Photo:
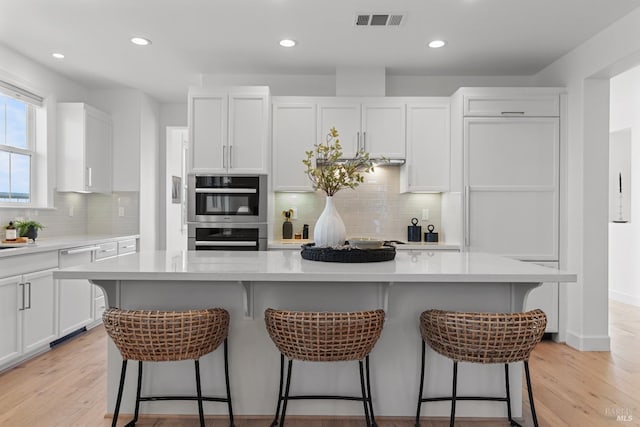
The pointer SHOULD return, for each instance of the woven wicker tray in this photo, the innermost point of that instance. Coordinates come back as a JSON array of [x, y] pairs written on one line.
[[311, 252]]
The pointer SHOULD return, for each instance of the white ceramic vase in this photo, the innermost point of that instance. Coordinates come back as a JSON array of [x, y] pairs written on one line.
[[329, 229]]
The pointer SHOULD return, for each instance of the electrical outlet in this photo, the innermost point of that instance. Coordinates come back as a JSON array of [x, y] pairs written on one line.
[[425, 214], [295, 213], [70, 210], [120, 211]]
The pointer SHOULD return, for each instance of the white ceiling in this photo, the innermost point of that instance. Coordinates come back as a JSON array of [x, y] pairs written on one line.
[[193, 37]]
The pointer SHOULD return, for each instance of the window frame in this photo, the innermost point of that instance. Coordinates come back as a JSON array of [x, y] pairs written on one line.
[[30, 150]]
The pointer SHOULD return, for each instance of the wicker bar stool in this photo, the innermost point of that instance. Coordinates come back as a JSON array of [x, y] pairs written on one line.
[[324, 337], [481, 338], [162, 336]]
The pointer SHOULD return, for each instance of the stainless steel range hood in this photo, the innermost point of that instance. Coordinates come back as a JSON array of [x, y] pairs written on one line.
[[377, 162]]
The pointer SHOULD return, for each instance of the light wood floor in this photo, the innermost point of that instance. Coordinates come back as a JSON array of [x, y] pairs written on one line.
[[66, 387]]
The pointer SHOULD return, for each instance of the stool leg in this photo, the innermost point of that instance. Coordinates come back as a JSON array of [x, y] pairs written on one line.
[[199, 391], [286, 394], [530, 391], [275, 419], [123, 373], [364, 394], [373, 419], [453, 394], [138, 390], [420, 391], [506, 386], [226, 377]]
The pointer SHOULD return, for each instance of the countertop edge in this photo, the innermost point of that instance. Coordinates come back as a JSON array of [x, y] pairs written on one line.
[[57, 243]]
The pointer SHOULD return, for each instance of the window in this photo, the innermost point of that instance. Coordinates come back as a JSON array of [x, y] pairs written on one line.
[[17, 150]]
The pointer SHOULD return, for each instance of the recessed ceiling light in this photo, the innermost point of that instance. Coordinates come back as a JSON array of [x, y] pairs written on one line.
[[287, 43], [435, 44], [57, 55], [140, 41]]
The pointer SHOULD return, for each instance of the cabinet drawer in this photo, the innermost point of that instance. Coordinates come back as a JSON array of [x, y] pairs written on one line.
[[516, 106], [27, 263], [106, 250], [127, 246]]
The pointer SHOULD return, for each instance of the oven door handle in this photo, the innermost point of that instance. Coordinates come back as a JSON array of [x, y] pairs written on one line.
[[227, 190], [225, 243]]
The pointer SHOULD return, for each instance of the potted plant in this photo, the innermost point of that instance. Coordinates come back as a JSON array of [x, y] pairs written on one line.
[[330, 173], [29, 228]]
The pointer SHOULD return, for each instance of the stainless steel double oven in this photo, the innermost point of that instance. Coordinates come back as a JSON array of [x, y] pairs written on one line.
[[227, 212]]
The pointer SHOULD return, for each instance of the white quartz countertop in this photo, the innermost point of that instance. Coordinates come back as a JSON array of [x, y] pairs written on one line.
[[56, 243], [287, 265], [296, 243]]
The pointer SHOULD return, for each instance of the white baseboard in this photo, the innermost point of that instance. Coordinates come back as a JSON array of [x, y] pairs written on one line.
[[624, 298], [589, 343]]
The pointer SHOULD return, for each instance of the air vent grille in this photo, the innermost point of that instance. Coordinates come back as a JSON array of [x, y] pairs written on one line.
[[379, 19]]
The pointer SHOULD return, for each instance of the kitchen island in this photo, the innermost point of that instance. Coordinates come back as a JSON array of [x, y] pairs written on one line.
[[245, 283]]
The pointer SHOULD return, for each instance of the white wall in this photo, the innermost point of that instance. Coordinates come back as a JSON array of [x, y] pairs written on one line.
[[585, 71], [624, 270], [175, 229], [150, 188]]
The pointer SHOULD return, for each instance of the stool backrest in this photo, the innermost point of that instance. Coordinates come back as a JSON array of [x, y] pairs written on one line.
[[166, 335], [324, 336], [483, 337]]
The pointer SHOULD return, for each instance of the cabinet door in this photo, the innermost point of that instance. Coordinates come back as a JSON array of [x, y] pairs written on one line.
[[428, 147], [39, 322], [208, 132], [98, 152], [76, 303], [345, 117], [383, 130], [294, 132], [510, 106], [512, 178], [248, 134], [10, 319]]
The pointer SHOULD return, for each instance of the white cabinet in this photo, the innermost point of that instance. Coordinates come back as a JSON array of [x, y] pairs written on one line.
[[228, 130], [428, 146], [375, 126], [512, 186], [76, 296], [40, 313], [84, 138], [10, 319], [104, 251], [511, 171], [294, 133], [27, 306]]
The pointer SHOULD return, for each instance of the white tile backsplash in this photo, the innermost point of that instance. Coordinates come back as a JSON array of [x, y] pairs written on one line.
[[76, 213], [374, 209]]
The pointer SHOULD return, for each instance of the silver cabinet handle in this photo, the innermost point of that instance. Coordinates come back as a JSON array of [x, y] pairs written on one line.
[[357, 141], [520, 113], [79, 251], [230, 156], [22, 307], [29, 294], [224, 156], [129, 247], [364, 141], [89, 171], [104, 251], [467, 231]]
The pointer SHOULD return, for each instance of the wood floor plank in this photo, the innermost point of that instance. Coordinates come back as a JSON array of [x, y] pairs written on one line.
[[66, 387]]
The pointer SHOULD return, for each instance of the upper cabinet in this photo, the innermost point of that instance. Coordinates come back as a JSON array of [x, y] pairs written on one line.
[[84, 138], [294, 133], [428, 146], [228, 130], [376, 126], [516, 105]]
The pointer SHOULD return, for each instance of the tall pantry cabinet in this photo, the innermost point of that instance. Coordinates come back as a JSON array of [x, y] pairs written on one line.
[[509, 141]]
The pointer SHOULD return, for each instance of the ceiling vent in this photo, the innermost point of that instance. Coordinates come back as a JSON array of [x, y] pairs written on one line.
[[379, 19]]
